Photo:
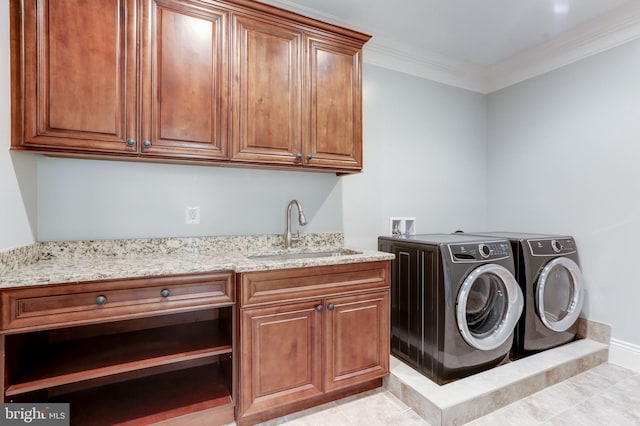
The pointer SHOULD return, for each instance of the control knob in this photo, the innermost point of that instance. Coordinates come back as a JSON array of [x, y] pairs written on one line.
[[556, 246], [485, 251]]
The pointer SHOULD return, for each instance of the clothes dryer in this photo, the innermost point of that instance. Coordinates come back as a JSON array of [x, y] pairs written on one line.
[[548, 271], [454, 303]]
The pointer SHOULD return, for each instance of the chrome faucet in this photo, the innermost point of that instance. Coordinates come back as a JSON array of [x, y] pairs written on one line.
[[288, 238]]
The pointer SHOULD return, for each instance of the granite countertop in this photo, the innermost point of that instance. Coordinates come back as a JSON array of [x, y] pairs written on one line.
[[75, 261]]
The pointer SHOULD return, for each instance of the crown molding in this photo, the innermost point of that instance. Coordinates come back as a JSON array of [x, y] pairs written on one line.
[[609, 30], [617, 27]]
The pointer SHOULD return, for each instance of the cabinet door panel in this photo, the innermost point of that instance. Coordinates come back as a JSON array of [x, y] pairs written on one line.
[[335, 109], [79, 90], [185, 81], [280, 359], [267, 96], [356, 339]]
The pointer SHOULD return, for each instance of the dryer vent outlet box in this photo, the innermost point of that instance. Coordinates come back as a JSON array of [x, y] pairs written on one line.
[[402, 225]]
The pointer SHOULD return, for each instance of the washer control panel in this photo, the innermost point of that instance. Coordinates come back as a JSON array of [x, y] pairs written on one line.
[[552, 246], [480, 252]]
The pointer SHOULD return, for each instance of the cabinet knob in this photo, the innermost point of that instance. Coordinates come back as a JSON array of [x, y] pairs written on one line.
[[101, 300], [309, 157], [319, 308], [299, 156], [131, 142], [165, 292], [146, 144], [331, 307]]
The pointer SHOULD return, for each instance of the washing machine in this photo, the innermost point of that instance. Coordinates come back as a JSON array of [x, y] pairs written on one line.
[[547, 268], [454, 303]]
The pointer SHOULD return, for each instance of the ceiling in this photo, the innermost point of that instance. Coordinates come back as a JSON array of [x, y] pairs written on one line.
[[476, 44]]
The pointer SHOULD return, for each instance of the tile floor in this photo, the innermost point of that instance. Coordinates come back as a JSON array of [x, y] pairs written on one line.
[[605, 395]]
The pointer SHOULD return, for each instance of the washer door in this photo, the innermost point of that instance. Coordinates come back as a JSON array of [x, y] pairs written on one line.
[[559, 294], [488, 307]]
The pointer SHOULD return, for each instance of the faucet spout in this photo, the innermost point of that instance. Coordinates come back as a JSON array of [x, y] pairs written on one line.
[[302, 221]]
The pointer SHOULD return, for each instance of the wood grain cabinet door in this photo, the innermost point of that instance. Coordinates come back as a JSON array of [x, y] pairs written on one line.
[[356, 339], [79, 75], [266, 91], [185, 80], [280, 360], [335, 110]]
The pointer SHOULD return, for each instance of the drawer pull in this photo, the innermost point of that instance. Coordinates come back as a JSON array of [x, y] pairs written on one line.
[[331, 307], [101, 300], [165, 293], [319, 308]]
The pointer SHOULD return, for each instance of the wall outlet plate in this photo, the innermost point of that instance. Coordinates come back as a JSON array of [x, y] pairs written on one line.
[[192, 215]]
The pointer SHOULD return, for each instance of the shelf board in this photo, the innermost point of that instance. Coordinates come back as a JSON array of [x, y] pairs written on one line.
[[97, 357], [153, 399]]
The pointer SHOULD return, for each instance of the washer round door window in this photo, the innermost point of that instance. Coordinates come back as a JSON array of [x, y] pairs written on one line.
[[559, 294], [488, 307]]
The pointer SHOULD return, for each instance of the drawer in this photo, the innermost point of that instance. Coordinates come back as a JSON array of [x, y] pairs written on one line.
[[273, 286], [74, 304]]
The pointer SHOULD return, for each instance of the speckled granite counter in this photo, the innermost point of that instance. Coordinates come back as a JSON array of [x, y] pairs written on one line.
[[75, 261]]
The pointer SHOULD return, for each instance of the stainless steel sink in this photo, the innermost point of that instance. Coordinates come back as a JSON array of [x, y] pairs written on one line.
[[305, 255]]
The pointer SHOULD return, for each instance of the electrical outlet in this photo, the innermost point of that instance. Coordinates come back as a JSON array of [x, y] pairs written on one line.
[[192, 215]]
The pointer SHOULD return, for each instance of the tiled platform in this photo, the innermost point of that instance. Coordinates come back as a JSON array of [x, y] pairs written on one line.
[[470, 398]]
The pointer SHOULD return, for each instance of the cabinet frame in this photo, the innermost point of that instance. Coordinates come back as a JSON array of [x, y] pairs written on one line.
[[138, 105], [56, 320], [334, 296]]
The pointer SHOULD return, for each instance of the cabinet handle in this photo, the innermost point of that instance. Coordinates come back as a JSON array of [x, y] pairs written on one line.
[[131, 142], [299, 156], [319, 308], [146, 144], [165, 292], [331, 307], [309, 157], [101, 300]]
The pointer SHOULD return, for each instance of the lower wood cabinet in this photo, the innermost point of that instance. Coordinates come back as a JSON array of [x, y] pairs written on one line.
[[145, 351], [326, 336]]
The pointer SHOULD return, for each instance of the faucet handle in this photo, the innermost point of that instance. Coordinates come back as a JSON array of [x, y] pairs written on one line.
[[296, 236]]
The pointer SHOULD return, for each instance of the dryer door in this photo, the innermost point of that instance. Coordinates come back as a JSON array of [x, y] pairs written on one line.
[[559, 294], [488, 306]]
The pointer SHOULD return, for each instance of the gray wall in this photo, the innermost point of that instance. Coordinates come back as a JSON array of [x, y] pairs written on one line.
[[564, 157], [90, 199], [17, 171], [424, 157]]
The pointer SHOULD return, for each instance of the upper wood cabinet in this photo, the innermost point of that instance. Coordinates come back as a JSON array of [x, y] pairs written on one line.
[[267, 91], [74, 75], [296, 95], [335, 103], [184, 80], [232, 81]]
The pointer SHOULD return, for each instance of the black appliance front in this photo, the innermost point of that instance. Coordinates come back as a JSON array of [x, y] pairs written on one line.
[[451, 318]]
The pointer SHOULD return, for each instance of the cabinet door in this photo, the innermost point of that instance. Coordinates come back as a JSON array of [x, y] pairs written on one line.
[[185, 80], [356, 339], [79, 75], [335, 110], [280, 359], [266, 91]]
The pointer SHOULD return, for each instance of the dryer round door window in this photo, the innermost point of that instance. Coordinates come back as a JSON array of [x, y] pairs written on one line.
[[559, 294], [488, 306]]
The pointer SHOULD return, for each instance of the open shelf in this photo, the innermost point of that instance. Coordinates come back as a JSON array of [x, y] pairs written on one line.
[[43, 365], [153, 399]]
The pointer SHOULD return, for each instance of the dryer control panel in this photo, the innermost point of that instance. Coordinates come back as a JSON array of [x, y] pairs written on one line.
[[552, 246], [479, 252]]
